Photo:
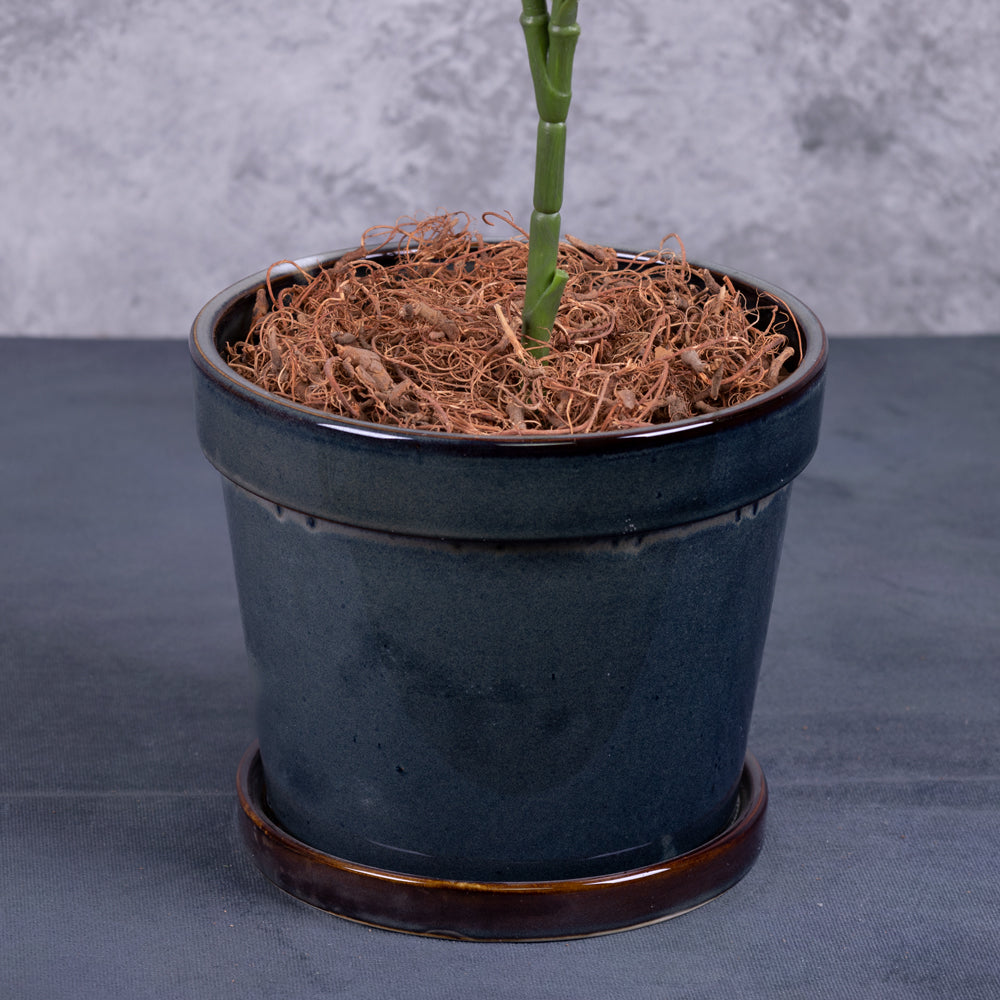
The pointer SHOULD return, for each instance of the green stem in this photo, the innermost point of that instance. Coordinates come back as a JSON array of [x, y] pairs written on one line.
[[551, 40]]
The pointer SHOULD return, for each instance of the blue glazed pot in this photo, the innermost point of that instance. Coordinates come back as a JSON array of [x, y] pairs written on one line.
[[503, 659]]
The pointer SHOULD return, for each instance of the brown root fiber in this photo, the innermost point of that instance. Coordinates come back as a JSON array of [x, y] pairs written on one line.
[[432, 341]]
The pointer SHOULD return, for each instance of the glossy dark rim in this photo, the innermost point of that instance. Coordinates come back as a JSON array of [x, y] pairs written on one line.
[[502, 911], [205, 352]]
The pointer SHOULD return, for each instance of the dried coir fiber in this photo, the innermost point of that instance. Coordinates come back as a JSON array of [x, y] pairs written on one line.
[[432, 341]]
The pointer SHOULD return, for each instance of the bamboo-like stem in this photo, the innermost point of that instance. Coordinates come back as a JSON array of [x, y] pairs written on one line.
[[551, 40]]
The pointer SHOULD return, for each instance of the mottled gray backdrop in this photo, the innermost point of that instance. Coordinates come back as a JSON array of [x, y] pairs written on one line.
[[152, 152]]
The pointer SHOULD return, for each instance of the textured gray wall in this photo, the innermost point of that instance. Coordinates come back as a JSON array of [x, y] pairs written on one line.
[[152, 152]]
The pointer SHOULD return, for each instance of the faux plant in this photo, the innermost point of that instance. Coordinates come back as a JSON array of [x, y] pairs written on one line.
[[526, 790], [551, 40], [426, 325]]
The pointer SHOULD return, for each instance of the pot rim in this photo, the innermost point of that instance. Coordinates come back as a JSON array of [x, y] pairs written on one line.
[[208, 358]]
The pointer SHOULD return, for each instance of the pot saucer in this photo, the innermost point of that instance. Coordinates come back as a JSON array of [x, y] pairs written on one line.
[[502, 911]]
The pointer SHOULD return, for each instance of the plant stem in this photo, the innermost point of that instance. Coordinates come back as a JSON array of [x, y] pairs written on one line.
[[551, 40]]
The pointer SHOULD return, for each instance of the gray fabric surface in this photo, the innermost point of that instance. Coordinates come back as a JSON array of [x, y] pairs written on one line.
[[125, 706]]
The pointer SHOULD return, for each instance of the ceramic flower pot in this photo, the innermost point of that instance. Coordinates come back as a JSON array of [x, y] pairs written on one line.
[[504, 684]]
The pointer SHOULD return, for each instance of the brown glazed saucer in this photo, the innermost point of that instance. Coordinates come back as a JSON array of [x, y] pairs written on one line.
[[502, 911]]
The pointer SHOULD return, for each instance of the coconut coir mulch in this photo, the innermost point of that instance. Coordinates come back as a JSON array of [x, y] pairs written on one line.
[[433, 342]]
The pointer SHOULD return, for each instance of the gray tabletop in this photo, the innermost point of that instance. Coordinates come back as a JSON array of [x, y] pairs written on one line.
[[126, 704]]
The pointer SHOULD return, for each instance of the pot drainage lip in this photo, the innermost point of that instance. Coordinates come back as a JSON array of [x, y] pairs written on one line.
[[502, 911]]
